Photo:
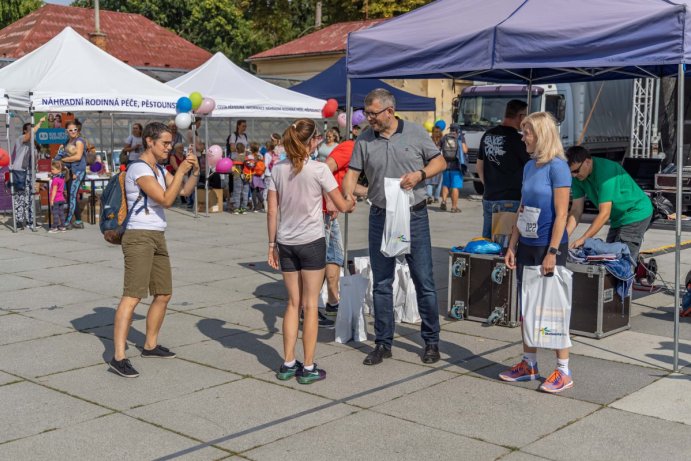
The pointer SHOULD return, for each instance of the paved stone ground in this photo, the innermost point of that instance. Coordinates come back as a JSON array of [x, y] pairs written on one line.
[[220, 400]]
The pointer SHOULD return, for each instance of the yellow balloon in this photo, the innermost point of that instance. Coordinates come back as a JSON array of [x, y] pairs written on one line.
[[429, 125]]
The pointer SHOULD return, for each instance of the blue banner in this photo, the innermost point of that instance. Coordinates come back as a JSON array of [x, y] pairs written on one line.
[[51, 136]]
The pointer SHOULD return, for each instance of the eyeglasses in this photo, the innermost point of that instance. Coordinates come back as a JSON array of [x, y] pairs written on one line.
[[577, 171], [374, 114]]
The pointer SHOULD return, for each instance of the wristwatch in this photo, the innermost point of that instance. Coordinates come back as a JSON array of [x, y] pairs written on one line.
[[554, 251], [424, 175]]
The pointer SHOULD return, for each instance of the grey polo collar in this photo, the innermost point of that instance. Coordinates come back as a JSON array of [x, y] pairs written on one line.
[[399, 128]]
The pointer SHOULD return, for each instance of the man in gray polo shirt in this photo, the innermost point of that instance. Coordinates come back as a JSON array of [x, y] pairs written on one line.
[[392, 148]]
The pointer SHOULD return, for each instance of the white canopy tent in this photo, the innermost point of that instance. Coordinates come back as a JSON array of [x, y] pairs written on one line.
[[240, 94], [69, 73]]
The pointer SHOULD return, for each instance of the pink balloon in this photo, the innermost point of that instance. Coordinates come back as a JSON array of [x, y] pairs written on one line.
[[342, 119], [358, 117], [213, 155], [207, 106], [224, 165]]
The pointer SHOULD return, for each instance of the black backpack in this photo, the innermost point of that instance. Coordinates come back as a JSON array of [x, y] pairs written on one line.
[[449, 147]]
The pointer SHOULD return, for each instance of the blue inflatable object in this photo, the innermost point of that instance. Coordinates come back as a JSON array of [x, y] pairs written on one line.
[[441, 124], [484, 247], [184, 104]]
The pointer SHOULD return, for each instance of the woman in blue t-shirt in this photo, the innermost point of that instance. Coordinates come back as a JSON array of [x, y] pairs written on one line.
[[541, 223]]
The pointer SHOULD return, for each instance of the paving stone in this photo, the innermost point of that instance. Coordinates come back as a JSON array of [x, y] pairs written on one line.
[[80, 316], [29, 409], [468, 406], [54, 354], [158, 380], [394, 439], [635, 348], [200, 295], [595, 380], [521, 456], [113, 437], [33, 262], [367, 385], [665, 399], [15, 328], [179, 329], [5, 379], [469, 327], [660, 322], [30, 299], [612, 435], [459, 353], [240, 351], [20, 281], [243, 414]]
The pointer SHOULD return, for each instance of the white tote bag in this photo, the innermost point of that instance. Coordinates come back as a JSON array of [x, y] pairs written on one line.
[[396, 237], [405, 308], [363, 268], [350, 320], [546, 307]]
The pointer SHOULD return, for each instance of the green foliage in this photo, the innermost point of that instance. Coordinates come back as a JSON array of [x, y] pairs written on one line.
[[241, 28], [12, 10]]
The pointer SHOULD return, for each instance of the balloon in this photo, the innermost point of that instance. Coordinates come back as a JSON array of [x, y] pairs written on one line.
[[183, 120], [224, 165], [213, 155], [96, 167], [429, 125], [207, 106], [196, 98], [262, 150], [358, 117], [183, 105], [123, 167], [342, 119], [441, 124], [330, 108], [4, 158]]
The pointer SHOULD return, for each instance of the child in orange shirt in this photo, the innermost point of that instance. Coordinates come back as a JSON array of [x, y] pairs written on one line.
[[257, 181]]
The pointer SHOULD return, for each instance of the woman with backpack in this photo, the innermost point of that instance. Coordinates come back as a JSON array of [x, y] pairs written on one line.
[[149, 189]]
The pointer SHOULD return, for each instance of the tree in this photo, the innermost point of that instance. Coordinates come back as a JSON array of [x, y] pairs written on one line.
[[13, 10]]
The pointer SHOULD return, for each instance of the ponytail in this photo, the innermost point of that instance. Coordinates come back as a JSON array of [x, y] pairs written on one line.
[[296, 141]]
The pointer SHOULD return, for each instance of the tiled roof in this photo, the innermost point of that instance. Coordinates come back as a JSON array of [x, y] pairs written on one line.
[[132, 38], [331, 39]]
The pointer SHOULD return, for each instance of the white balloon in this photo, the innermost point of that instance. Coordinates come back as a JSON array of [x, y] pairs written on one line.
[[183, 120]]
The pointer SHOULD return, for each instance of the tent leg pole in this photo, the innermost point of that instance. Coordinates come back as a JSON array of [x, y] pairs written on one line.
[[677, 250], [194, 149], [206, 168], [349, 135], [32, 172], [112, 141]]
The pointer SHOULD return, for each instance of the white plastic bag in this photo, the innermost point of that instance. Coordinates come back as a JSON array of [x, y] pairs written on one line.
[[546, 307], [405, 307], [362, 267], [350, 320], [396, 237]]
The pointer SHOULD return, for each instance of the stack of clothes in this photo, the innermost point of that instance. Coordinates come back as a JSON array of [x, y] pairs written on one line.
[[616, 258]]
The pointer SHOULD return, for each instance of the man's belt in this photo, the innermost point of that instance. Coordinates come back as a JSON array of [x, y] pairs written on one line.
[[416, 207]]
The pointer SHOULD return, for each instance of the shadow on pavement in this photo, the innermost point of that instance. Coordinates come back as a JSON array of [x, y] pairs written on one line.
[[101, 317]]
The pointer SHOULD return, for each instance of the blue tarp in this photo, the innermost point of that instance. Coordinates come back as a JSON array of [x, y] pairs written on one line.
[[521, 40], [331, 83]]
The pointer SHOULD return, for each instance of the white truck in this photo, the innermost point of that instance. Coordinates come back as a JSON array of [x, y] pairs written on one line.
[[595, 114]]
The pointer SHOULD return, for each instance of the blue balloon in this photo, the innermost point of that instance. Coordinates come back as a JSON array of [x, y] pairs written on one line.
[[441, 124], [184, 104]]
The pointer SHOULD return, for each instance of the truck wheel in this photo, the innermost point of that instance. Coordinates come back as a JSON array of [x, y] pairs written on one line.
[[479, 187]]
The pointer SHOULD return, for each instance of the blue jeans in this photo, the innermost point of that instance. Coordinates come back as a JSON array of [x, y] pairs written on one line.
[[434, 190], [334, 245], [73, 186], [420, 264], [241, 192], [495, 206]]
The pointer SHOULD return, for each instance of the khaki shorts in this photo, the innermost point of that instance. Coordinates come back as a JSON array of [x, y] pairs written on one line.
[[147, 265]]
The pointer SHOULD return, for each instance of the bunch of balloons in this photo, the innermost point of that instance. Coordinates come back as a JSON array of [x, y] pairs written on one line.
[[330, 108], [194, 103], [430, 125]]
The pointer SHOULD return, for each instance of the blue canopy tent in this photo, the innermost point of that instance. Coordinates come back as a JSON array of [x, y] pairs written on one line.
[[535, 41], [331, 83]]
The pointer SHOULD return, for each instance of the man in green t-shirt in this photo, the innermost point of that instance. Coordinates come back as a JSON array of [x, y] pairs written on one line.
[[618, 198]]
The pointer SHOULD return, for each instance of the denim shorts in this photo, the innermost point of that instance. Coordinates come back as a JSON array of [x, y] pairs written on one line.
[[334, 245]]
